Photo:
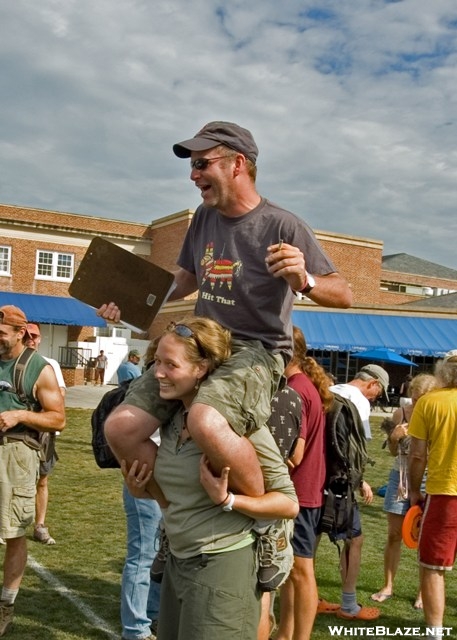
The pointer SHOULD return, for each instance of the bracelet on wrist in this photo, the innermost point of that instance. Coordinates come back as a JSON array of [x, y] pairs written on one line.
[[230, 503], [224, 500]]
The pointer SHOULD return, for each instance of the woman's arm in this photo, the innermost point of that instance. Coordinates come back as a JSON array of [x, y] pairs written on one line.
[[297, 454], [271, 505], [400, 431]]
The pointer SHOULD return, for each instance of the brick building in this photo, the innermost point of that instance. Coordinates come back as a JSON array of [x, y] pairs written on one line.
[[41, 250]]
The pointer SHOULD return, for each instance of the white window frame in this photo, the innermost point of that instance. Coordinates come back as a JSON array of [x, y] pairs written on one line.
[[7, 250], [54, 265]]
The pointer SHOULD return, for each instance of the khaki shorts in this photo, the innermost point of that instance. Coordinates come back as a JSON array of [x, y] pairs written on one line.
[[210, 597], [18, 477], [240, 389]]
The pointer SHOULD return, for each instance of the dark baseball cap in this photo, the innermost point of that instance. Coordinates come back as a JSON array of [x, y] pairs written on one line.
[[214, 133]]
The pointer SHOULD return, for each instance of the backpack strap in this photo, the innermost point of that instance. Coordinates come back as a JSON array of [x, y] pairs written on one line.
[[19, 373]]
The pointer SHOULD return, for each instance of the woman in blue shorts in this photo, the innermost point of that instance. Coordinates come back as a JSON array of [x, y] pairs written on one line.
[[396, 502]]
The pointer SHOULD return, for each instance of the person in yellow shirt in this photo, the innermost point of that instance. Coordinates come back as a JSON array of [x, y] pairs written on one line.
[[433, 431]]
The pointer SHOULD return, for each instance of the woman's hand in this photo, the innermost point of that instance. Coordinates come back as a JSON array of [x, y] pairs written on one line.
[[215, 487], [400, 431], [136, 479]]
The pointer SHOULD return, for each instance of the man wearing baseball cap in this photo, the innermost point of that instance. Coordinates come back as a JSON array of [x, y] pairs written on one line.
[[247, 258], [368, 384], [129, 370], [433, 431], [48, 440], [21, 420]]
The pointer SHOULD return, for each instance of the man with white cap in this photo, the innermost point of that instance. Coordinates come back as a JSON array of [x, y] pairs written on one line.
[[433, 431], [21, 420], [368, 384]]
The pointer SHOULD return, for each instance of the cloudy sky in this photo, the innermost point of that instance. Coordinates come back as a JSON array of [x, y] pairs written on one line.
[[352, 104]]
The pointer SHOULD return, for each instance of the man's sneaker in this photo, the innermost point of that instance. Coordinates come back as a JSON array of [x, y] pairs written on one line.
[[6, 616], [275, 555], [2, 541], [41, 534], [163, 550]]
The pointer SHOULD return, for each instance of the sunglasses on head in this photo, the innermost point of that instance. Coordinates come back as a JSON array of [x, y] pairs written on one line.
[[202, 163], [184, 331]]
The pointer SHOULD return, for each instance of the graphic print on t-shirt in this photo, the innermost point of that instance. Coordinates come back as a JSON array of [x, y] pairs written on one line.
[[218, 271]]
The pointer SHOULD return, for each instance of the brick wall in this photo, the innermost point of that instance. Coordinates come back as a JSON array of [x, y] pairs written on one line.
[[73, 221], [167, 237], [359, 261], [73, 377]]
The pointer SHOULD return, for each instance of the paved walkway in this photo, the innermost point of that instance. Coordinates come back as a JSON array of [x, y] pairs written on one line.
[[85, 396]]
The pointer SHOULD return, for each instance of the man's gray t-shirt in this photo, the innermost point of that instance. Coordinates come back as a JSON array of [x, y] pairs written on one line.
[[227, 255]]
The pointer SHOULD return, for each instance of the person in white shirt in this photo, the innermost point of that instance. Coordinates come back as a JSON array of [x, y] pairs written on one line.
[[368, 384], [41, 531]]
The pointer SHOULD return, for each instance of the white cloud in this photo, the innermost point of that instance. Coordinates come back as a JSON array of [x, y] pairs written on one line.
[[352, 106]]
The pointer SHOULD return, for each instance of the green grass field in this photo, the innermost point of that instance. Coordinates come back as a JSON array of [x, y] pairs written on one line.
[[71, 590]]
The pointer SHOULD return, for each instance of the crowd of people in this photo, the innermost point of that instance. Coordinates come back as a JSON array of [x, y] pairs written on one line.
[[201, 466]]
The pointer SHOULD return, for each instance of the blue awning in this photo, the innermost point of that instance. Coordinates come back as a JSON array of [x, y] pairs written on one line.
[[53, 309], [409, 335]]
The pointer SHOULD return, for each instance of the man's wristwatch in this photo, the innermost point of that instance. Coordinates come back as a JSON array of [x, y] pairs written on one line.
[[310, 283]]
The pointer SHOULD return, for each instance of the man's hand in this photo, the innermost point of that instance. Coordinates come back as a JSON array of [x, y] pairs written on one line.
[[110, 312], [288, 262], [9, 419], [416, 497], [366, 492]]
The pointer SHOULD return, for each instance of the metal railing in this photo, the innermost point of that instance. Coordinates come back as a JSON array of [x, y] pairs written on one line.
[[72, 357]]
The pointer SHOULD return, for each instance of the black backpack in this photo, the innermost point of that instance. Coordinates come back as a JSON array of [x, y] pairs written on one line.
[[346, 458], [103, 455]]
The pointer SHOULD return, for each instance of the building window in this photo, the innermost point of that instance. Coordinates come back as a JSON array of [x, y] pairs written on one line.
[[5, 261], [51, 265], [409, 289]]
